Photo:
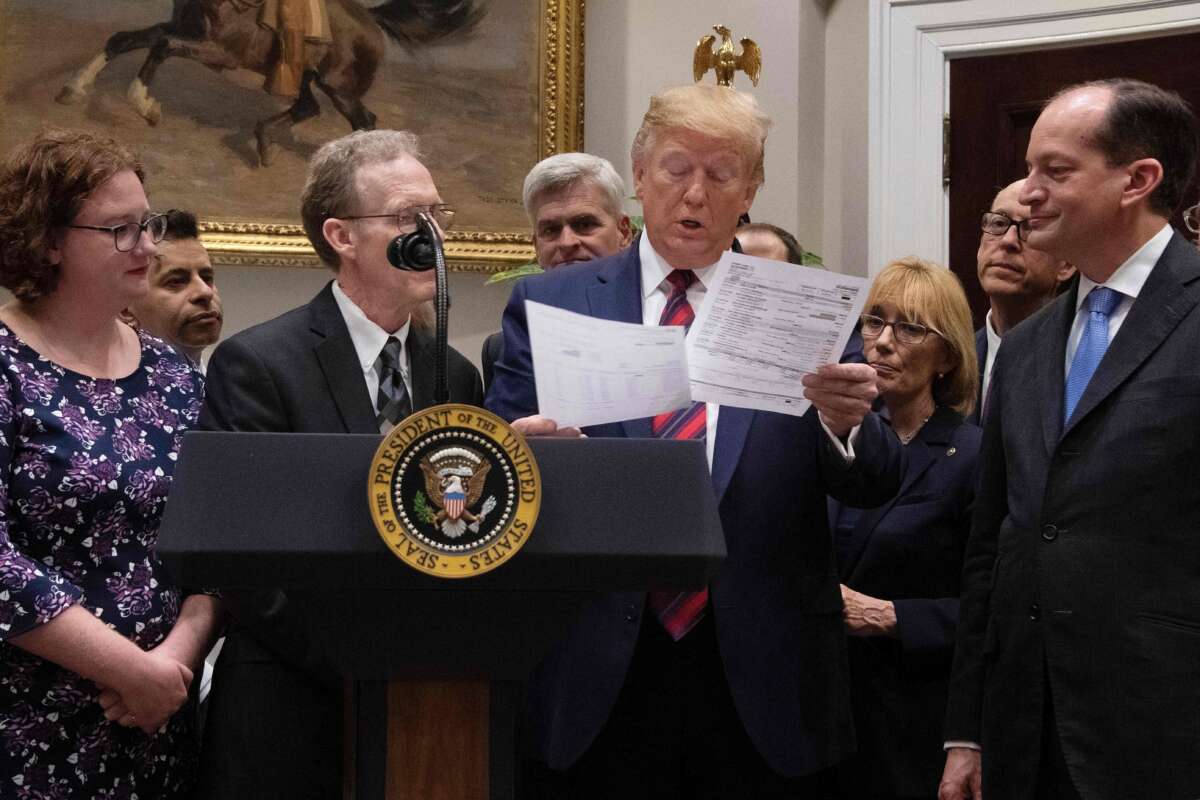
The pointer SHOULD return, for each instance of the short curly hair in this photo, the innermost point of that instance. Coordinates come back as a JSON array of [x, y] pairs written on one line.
[[43, 184]]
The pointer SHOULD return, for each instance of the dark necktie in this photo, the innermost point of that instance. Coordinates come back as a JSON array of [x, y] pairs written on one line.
[[679, 611], [391, 403], [1101, 302]]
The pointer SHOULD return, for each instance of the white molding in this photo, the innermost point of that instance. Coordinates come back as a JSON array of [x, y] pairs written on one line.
[[911, 43]]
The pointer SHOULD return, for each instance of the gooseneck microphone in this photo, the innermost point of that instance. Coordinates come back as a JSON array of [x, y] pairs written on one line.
[[419, 251]]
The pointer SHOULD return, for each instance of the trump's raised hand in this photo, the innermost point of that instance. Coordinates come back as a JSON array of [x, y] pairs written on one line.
[[842, 393]]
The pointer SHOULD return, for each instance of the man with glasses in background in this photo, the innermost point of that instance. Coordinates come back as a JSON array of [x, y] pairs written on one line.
[[1018, 279], [353, 360]]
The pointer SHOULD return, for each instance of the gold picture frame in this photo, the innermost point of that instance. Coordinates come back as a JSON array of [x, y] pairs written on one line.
[[249, 214]]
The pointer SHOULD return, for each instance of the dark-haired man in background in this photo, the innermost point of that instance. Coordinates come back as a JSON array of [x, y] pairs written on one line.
[[1075, 673], [765, 240], [182, 306]]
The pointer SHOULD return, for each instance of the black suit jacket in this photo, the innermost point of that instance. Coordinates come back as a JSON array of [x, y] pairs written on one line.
[[274, 723], [1084, 558], [776, 602], [493, 350], [909, 551], [981, 353]]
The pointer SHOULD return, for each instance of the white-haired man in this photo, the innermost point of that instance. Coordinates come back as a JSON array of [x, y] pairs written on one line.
[[574, 204]]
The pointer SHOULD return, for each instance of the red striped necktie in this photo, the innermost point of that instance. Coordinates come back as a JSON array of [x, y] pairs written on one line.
[[679, 611]]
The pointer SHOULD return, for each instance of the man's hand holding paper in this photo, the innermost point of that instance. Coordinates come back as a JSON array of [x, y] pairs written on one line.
[[842, 393], [767, 337]]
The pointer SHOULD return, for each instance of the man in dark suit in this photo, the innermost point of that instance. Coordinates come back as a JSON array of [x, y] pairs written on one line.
[[354, 360], [739, 691], [574, 204], [1079, 635], [1018, 279]]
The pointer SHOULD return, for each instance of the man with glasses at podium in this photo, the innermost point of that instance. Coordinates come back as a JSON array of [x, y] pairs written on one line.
[[354, 360]]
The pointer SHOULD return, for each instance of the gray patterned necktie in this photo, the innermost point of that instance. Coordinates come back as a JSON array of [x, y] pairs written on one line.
[[392, 402]]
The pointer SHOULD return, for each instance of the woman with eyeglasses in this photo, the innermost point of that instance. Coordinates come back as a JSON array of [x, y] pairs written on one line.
[[900, 563], [97, 645]]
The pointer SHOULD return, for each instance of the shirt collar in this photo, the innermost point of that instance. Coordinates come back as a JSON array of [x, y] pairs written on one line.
[[993, 338], [368, 338], [655, 269], [1131, 276]]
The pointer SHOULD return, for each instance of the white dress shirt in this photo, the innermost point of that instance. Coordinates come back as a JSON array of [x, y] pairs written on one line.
[[369, 339], [1129, 279], [655, 292]]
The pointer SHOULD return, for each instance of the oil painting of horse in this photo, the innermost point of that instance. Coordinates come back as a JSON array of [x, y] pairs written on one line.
[[227, 99]]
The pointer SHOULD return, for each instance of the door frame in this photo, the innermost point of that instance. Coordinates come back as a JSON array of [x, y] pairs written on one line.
[[911, 43]]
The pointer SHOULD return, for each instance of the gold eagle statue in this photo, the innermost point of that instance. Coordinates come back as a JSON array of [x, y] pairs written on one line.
[[724, 61]]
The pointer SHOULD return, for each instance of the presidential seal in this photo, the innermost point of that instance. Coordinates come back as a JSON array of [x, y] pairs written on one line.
[[454, 491]]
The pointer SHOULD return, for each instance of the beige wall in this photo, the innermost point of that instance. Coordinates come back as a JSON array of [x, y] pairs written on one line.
[[633, 49], [846, 151]]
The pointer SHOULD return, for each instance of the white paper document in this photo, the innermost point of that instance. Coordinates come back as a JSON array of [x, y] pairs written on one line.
[[765, 323], [590, 371]]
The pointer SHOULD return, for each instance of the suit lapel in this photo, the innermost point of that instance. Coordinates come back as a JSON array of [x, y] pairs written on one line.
[[981, 348], [339, 362], [421, 368], [617, 295], [1050, 376], [920, 455], [1160, 306]]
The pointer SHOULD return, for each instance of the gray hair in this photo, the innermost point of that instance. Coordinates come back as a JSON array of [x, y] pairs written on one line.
[[566, 170], [331, 188]]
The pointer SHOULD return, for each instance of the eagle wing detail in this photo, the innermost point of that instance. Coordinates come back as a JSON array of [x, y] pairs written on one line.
[[703, 58], [433, 484], [475, 485], [750, 61]]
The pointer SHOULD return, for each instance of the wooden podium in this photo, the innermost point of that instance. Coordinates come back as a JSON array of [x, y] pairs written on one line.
[[433, 667]]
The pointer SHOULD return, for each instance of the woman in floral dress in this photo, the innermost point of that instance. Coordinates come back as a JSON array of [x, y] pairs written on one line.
[[97, 646]]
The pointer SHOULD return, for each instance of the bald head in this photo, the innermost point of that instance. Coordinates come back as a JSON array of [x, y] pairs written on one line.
[[1009, 270]]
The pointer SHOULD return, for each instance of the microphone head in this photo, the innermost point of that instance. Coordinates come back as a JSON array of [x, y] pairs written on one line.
[[411, 251]]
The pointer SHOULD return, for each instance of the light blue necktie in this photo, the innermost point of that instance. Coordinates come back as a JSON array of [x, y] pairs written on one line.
[[1100, 301]]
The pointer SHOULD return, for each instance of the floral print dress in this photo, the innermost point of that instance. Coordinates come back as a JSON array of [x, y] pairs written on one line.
[[85, 467]]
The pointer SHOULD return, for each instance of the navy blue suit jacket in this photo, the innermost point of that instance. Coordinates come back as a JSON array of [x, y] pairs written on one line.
[[776, 602], [910, 551]]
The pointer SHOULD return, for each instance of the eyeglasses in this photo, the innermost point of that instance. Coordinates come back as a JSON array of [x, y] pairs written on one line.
[[1191, 218], [997, 224], [442, 213], [126, 236], [905, 332]]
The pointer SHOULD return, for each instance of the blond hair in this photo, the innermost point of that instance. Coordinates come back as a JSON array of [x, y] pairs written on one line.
[[932, 295], [718, 111]]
